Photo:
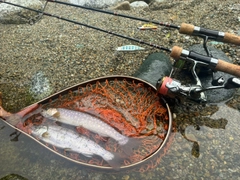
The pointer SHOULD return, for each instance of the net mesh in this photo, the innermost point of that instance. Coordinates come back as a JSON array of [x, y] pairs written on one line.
[[132, 108]]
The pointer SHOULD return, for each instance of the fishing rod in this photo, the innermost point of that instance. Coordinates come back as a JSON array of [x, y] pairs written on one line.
[[116, 14], [184, 28], [171, 87], [89, 26], [176, 52]]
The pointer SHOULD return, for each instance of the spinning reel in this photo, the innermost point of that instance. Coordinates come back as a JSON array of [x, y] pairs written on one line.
[[174, 88]]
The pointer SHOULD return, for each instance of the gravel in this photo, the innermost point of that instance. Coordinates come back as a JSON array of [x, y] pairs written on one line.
[[65, 54]]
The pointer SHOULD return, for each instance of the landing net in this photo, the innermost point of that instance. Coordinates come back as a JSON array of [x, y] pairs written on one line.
[[132, 108]]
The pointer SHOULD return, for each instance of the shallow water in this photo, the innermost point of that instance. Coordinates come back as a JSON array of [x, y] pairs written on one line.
[[204, 147]]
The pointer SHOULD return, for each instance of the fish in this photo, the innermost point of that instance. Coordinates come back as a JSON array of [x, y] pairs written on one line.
[[129, 48], [69, 140], [93, 124]]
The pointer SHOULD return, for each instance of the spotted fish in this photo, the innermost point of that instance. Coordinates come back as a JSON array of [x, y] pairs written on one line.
[[92, 123], [70, 140]]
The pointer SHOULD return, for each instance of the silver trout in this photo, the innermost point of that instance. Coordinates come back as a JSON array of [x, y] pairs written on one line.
[[92, 123], [70, 140]]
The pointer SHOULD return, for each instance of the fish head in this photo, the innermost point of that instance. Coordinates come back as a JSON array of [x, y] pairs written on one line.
[[39, 130], [53, 112], [45, 135]]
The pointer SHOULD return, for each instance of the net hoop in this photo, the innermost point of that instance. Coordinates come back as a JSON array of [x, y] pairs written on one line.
[[93, 81]]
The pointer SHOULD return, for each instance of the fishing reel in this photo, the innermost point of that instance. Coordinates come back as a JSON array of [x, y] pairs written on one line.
[[174, 88], [196, 63]]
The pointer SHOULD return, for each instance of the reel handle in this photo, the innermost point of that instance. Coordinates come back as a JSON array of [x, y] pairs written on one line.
[[232, 83], [216, 64], [190, 29]]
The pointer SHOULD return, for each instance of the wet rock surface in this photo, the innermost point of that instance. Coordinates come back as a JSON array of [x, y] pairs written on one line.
[[16, 15], [155, 67], [206, 142]]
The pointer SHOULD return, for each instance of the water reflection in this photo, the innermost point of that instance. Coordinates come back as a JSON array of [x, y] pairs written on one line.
[[211, 134], [225, 112], [195, 116], [15, 135], [208, 122]]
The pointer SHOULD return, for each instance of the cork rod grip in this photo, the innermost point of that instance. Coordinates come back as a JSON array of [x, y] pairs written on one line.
[[231, 38], [228, 68], [228, 37], [186, 29], [176, 52]]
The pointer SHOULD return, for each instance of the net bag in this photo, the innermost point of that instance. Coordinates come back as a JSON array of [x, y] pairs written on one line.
[[129, 105]]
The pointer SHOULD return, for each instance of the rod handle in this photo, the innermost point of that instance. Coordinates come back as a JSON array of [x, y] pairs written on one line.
[[176, 52], [231, 38], [221, 65], [186, 29], [190, 29], [228, 68]]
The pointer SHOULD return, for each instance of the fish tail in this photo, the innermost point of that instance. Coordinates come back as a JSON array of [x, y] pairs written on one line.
[[115, 162], [129, 146]]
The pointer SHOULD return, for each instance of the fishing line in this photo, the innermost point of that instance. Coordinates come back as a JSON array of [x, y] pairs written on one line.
[[176, 52], [116, 14], [184, 28], [92, 27]]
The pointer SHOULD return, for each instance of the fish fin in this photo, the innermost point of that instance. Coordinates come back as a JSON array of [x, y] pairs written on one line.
[[45, 135], [129, 146], [67, 149], [87, 155], [101, 138], [103, 135], [51, 112], [115, 163], [58, 123], [82, 130], [56, 115]]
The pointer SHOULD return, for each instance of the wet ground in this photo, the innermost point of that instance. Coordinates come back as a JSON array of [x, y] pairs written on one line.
[[206, 145], [206, 142]]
